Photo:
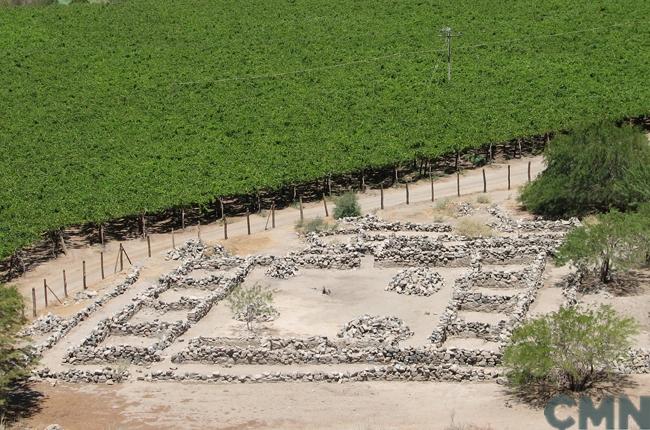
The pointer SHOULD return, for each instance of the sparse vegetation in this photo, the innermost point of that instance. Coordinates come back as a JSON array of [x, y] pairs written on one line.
[[610, 241], [347, 205], [14, 362], [251, 304], [568, 349], [473, 228], [591, 170], [314, 225], [483, 199]]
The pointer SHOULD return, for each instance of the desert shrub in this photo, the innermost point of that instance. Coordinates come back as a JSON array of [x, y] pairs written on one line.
[[314, 225], [473, 228], [347, 205], [442, 204], [483, 199], [592, 170], [568, 349], [251, 304], [613, 241], [14, 361]]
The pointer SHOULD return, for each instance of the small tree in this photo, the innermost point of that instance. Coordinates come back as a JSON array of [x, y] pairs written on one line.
[[592, 170], [615, 240], [14, 361], [569, 348], [252, 304], [347, 205]]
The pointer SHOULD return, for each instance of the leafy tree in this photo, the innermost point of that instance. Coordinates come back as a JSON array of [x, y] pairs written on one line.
[[251, 304], [347, 205], [567, 349], [14, 361], [615, 240], [592, 170]]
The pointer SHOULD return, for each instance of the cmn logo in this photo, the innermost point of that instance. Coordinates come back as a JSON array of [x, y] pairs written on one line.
[[603, 414]]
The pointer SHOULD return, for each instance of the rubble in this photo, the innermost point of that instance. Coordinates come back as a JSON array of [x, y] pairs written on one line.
[[417, 281], [377, 328]]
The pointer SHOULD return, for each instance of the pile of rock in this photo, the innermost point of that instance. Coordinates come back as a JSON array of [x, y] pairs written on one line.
[[418, 281], [506, 224], [190, 250], [282, 269], [394, 372], [106, 375], [464, 209], [382, 329], [42, 325], [371, 222]]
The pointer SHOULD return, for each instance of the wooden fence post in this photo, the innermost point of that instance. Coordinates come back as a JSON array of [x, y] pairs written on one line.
[[508, 176], [225, 228], [45, 291], [273, 215], [173, 241], [144, 225], [65, 284], [433, 194], [83, 273], [484, 182], [248, 222], [302, 215], [223, 210], [458, 183], [381, 197], [407, 193], [101, 234], [329, 184], [149, 246], [121, 257], [198, 231], [529, 171], [101, 262], [34, 302], [325, 205]]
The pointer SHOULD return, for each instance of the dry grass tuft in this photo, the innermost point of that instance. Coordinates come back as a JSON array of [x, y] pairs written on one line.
[[472, 228]]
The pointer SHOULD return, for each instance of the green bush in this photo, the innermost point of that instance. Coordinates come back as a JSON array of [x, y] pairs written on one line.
[[568, 349], [614, 241], [347, 205], [14, 362], [592, 170], [252, 303]]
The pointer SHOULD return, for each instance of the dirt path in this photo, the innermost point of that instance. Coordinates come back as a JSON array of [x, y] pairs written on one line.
[[358, 406], [470, 182]]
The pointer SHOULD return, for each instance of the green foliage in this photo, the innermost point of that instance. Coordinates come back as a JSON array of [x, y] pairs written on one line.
[[567, 349], [251, 303], [592, 170], [108, 110], [14, 363], [615, 240], [347, 205]]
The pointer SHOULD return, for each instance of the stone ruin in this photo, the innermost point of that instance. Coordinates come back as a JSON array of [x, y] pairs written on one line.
[[417, 281], [376, 328], [369, 339]]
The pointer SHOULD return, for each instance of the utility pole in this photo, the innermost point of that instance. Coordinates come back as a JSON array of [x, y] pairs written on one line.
[[447, 33]]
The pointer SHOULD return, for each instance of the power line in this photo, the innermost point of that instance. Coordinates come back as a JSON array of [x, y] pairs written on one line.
[[393, 55]]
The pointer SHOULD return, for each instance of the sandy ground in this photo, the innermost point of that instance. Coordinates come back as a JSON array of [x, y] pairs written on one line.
[[304, 311], [357, 406], [280, 240]]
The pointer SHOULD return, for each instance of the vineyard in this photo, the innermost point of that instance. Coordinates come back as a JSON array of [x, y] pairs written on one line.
[[110, 110]]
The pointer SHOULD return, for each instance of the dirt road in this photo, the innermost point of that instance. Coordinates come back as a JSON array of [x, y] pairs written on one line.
[[470, 182]]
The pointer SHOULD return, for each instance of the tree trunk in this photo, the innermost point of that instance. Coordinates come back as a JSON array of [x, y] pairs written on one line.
[[605, 269]]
